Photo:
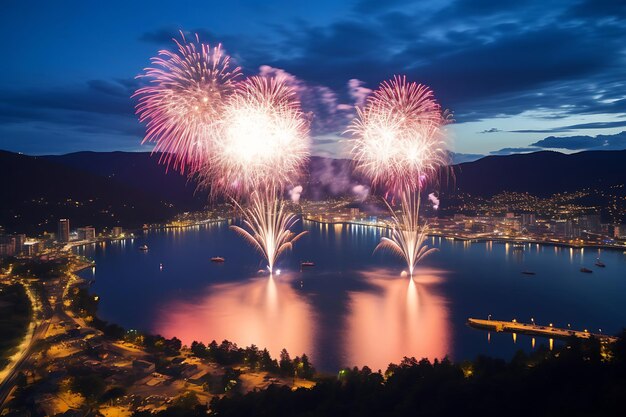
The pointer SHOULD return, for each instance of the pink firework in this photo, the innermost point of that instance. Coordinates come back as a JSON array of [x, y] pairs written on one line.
[[398, 139], [263, 142], [183, 104]]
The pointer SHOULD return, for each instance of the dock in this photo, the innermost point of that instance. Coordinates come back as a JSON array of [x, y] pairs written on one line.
[[536, 330]]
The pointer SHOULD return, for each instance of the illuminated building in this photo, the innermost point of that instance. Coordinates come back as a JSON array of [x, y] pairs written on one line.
[[86, 233], [63, 234]]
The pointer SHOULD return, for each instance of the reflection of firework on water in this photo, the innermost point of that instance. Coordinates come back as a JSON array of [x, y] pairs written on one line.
[[399, 143], [182, 106], [268, 225], [408, 236], [398, 139], [264, 142]]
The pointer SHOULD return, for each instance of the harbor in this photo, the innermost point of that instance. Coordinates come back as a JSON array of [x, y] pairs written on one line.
[[536, 330]]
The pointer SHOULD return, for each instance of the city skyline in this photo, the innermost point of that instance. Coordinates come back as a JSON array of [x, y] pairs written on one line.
[[517, 79]]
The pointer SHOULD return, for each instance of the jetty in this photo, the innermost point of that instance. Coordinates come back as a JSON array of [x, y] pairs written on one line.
[[536, 330]]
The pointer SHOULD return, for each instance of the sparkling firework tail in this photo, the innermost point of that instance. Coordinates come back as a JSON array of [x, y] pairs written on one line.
[[268, 225], [183, 104], [408, 236]]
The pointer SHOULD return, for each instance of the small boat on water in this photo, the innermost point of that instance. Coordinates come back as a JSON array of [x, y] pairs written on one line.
[[528, 273], [218, 259], [518, 246], [143, 247], [600, 263], [586, 270], [307, 263]]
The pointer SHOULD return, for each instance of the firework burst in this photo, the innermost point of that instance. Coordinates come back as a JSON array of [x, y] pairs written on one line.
[[264, 140], [398, 136], [183, 104]]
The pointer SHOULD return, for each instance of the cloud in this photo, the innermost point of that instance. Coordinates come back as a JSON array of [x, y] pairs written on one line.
[[491, 130], [599, 142], [510, 151], [579, 126], [96, 115], [459, 158], [483, 59]]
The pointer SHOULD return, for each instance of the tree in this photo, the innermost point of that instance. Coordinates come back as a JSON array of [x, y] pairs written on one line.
[[285, 364]]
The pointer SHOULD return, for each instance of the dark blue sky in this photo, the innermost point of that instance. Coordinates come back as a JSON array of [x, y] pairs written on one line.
[[518, 75]]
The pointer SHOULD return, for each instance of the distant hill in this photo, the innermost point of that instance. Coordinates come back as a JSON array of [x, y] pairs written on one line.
[[541, 173], [37, 191], [127, 188]]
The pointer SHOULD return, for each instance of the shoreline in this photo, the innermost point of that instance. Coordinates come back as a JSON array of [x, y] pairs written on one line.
[[486, 239]]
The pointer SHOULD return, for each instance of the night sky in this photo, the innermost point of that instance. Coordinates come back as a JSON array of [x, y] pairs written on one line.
[[518, 76]]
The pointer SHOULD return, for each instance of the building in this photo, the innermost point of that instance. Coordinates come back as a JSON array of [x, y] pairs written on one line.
[[32, 247], [564, 228], [527, 219], [63, 235], [86, 233], [616, 231], [19, 243], [590, 223], [117, 231]]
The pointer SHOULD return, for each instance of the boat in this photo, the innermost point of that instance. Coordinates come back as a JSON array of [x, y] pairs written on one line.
[[218, 259], [600, 263], [143, 247], [586, 270], [307, 263], [528, 273], [518, 246]]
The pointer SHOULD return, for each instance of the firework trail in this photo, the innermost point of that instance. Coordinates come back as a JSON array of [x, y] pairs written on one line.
[[408, 236], [399, 143], [182, 105], [268, 225], [261, 149]]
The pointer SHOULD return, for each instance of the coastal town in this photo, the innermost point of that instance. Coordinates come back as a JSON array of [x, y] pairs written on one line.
[[68, 359]]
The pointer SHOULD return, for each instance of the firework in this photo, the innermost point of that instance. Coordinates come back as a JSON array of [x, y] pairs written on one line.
[[262, 147], [264, 140], [183, 104], [398, 142], [398, 136], [268, 226], [408, 236]]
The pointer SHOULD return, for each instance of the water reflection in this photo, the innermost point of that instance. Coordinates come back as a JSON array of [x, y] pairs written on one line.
[[265, 311], [402, 317]]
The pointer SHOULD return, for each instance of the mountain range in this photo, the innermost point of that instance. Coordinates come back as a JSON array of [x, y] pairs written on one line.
[[106, 189]]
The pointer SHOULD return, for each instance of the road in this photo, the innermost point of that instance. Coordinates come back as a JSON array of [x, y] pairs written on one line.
[[23, 363]]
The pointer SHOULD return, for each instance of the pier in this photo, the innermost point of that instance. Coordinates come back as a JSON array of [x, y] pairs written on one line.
[[536, 330]]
